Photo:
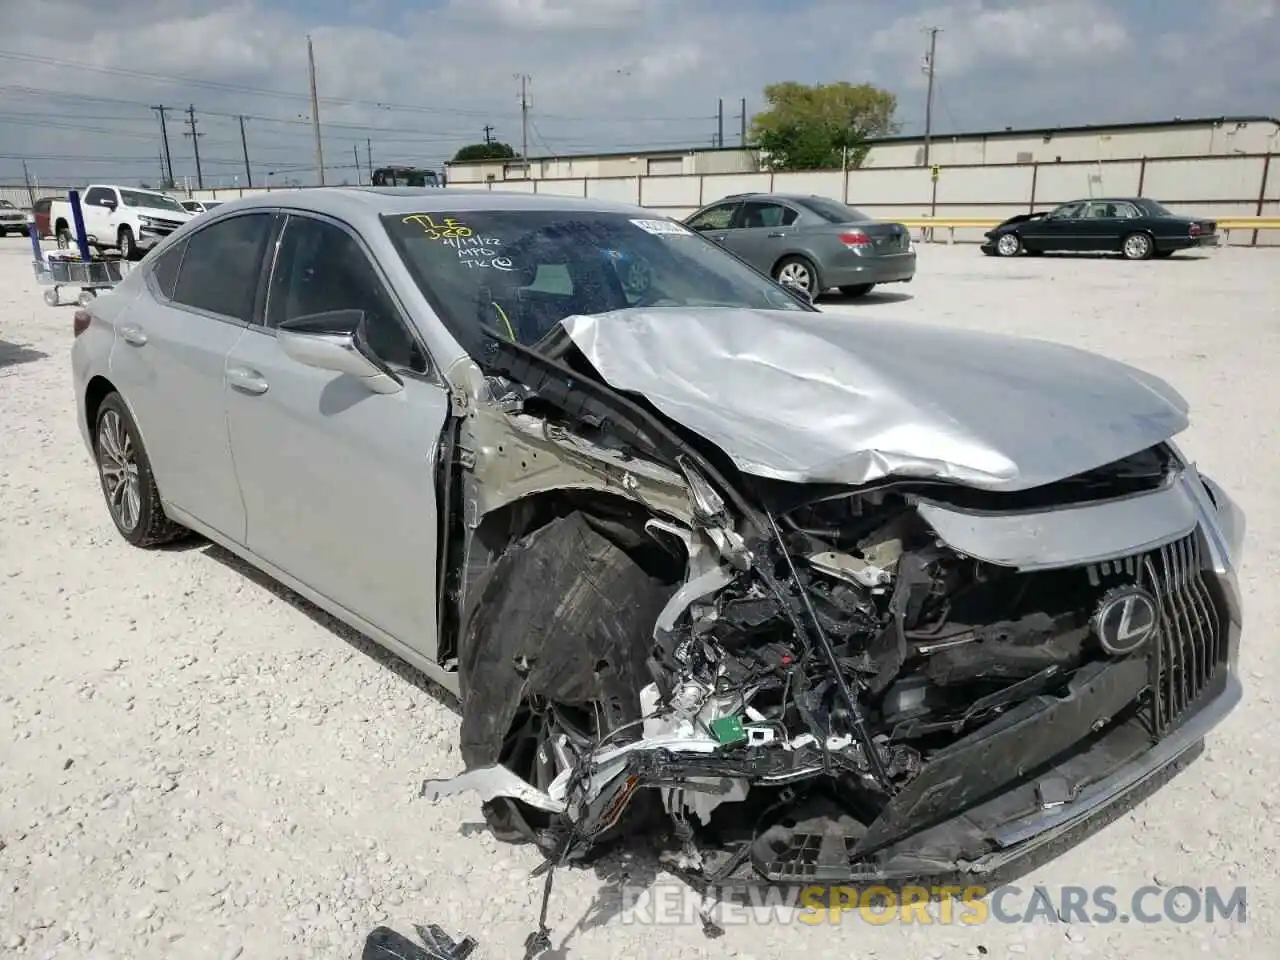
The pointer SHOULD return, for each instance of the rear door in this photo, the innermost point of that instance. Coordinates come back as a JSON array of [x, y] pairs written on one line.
[[170, 357], [338, 482], [762, 232]]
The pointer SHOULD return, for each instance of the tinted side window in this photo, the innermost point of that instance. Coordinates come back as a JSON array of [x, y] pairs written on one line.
[[758, 214], [166, 268], [321, 267], [220, 271], [714, 218]]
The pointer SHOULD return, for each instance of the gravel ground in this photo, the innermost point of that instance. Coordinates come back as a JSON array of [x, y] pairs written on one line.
[[197, 764]]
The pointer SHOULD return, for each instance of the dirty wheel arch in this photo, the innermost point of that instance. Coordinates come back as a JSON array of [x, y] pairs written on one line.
[[562, 618]]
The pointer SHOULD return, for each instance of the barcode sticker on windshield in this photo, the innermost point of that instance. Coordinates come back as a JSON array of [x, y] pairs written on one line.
[[663, 228]]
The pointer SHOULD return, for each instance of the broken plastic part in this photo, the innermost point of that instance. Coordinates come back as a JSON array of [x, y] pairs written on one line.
[[491, 782], [728, 730]]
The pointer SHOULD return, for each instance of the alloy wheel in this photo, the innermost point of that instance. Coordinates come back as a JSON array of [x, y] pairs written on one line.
[[118, 465], [796, 274], [546, 739], [1137, 246], [1007, 245]]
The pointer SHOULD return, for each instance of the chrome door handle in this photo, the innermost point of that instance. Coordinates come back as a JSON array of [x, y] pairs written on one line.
[[246, 381], [719, 237], [133, 335], [777, 233]]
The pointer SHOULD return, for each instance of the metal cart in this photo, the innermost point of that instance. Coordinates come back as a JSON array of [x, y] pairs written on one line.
[[92, 277]]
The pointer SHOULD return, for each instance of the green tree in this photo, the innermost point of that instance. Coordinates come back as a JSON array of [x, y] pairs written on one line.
[[811, 127], [485, 151]]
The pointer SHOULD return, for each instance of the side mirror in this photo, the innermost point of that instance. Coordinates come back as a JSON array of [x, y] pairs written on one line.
[[108, 203], [335, 340]]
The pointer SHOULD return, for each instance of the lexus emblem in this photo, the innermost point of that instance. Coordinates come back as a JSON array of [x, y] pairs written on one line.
[[1125, 619]]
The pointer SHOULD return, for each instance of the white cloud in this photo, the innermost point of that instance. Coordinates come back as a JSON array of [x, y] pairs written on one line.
[[605, 72], [1036, 35]]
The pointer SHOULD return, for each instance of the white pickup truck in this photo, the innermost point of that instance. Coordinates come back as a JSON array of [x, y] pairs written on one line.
[[125, 218]]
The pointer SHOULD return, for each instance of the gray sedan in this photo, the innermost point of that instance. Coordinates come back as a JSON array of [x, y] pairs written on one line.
[[810, 242]]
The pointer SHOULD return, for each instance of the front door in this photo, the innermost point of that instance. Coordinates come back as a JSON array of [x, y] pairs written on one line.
[[1060, 230], [169, 357], [714, 221], [98, 207], [338, 482]]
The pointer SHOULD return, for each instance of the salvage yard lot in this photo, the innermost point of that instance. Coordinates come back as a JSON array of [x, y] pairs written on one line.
[[194, 762]]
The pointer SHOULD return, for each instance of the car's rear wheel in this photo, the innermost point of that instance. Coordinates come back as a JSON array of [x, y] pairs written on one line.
[[1138, 246], [798, 272], [857, 290], [127, 481], [63, 237], [1009, 245], [553, 658]]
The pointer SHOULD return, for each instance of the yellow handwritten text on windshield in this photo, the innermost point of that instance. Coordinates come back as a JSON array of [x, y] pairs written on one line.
[[449, 228]]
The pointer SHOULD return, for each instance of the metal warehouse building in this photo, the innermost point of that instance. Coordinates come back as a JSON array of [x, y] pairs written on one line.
[[1198, 137]]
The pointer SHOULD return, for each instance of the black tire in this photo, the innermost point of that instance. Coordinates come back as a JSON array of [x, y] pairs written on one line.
[[63, 238], [562, 622], [1138, 246], [858, 290], [128, 245], [147, 525], [799, 266]]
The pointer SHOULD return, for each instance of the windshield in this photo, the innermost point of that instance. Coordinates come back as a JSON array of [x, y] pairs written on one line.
[[833, 211], [522, 272], [141, 198]]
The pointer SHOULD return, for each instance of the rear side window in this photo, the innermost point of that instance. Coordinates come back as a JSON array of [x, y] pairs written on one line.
[[220, 270], [166, 268]]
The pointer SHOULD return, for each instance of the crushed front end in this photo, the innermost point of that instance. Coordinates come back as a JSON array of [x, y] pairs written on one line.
[[908, 679]]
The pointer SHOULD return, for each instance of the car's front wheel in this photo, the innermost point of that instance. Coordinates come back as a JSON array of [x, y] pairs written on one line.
[[127, 482], [1009, 245], [128, 245], [798, 272], [553, 658]]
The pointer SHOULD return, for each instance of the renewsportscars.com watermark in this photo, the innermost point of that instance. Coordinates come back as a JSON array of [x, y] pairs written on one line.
[[674, 904]]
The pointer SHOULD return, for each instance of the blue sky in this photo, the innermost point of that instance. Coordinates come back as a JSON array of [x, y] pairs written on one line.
[[419, 78]]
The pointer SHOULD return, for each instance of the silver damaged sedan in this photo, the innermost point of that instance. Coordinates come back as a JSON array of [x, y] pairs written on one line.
[[834, 601]]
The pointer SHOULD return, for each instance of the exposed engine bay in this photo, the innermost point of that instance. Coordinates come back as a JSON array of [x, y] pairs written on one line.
[[829, 679]]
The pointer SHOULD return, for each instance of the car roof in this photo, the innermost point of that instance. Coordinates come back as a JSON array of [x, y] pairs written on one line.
[[765, 195], [371, 202]]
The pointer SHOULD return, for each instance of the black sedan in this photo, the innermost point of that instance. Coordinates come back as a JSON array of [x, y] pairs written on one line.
[[1136, 227]]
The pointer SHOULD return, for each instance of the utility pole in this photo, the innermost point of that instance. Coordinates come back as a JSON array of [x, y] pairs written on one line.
[[164, 138], [355, 150], [244, 145], [720, 124], [26, 176], [195, 142], [315, 111], [368, 157], [488, 134], [928, 104], [524, 120], [742, 116]]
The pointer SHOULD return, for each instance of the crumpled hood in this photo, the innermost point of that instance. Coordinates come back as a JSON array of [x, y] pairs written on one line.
[[822, 398]]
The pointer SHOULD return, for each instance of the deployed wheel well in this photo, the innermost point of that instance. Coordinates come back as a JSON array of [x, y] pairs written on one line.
[[97, 391]]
